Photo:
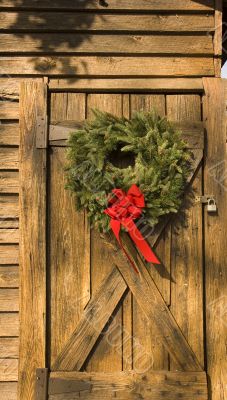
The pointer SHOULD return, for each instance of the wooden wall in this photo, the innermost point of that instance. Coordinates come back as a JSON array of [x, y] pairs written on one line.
[[93, 44]]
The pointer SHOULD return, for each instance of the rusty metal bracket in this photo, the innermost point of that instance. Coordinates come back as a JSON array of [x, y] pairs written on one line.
[[41, 133], [41, 383]]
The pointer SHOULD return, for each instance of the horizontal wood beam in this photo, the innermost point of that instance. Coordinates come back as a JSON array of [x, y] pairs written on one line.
[[107, 66], [53, 43], [193, 85], [9, 324], [143, 5], [129, 385], [39, 21], [9, 134], [193, 133], [9, 182]]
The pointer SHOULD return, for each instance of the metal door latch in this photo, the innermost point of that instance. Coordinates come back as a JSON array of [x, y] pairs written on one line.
[[209, 200]]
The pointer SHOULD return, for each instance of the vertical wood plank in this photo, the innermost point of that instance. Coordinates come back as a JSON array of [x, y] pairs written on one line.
[[186, 251], [107, 356], [218, 37], [69, 237], [127, 330], [148, 352], [216, 236], [33, 103], [41, 383]]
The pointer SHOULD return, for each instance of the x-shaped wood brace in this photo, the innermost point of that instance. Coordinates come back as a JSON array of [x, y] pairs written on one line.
[[146, 293]]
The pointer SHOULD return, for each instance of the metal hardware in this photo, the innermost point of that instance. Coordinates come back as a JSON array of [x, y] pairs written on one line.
[[212, 206], [204, 199], [41, 383], [209, 200]]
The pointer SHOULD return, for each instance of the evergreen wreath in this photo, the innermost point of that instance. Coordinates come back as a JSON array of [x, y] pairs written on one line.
[[161, 164]]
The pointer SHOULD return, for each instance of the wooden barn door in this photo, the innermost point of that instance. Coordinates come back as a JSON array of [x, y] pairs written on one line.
[[91, 327]]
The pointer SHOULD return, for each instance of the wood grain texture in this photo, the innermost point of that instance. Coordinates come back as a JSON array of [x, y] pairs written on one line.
[[9, 324], [175, 5], [9, 276], [9, 235], [9, 223], [9, 300], [9, 182], [107, 355], [148, 352], [69, 238], [33, 103], [9, 206], [29, 21], [193, 133], [9, 158], [186, 250], [107, 66], [154, 307], [9, 134], [9, 110], [8, 390], [8, 370], [215, 236], [126, 84], [94, 319], [9, 254], [108, 44], [128, 386], [9, 347]]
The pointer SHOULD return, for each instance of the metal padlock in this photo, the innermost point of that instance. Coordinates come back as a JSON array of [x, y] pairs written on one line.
[[212, 206]]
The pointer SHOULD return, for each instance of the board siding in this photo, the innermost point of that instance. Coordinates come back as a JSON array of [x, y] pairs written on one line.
[[132, 23]]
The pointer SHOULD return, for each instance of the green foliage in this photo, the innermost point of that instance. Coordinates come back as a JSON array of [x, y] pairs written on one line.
[[162, 164]]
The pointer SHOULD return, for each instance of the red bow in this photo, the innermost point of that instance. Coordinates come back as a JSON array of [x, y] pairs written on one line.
[[123, 209]]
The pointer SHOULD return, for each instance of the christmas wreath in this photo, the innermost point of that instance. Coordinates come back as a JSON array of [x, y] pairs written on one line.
[[150, 187]]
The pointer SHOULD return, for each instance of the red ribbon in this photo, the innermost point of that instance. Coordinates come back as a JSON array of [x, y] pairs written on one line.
[[123, 209]]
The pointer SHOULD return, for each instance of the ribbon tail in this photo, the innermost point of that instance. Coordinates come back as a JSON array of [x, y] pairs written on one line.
[[116, 227], [141, 244]]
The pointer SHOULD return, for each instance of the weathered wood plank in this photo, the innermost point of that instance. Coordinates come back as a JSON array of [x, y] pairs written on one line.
[[9, 347], [193, 133], [186, 251], [107, 66], [148, 353], [9, 324], [39, 21], [9, 223], [95, 317], [69, 247], [108, 353], [9, 158], [125, 84], [113, 44], [8, 370], [9, 254], [9, 300], [9, 182], [154, 307], [151, 5], [9, 206], [33, 102], [128, 386], [9, 110], [9, 134], [41, 383], [9, 236], [215, 236], [9, 276], [8, 390]]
